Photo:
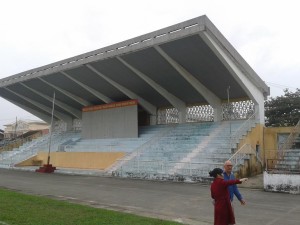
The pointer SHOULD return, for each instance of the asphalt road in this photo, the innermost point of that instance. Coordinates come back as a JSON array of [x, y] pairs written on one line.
[[188, 203]]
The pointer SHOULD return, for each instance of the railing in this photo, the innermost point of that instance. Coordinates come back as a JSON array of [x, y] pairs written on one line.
[[14, 144], [239, 156], [246, 126], [290, 163], [19, 142], [281, 166], [162, 168], [9, 158], [290, 141]]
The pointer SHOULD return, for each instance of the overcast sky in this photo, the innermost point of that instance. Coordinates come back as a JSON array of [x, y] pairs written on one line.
[[35, 33]]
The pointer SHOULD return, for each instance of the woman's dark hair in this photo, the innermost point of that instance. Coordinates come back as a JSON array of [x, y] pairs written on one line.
[[215, 172]]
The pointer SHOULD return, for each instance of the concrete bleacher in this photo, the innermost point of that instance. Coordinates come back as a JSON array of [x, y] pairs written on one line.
[[116, 144], [187, 150], [160, 152], [71, 142], [31, 148]]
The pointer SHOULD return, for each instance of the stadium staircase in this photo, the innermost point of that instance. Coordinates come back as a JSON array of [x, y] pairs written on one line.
[[290, 163], [288, 158], [31, 148]]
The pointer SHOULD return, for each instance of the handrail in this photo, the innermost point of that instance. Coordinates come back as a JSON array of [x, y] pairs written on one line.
[[164, 166], [272, 166], [244, 127], [289, 141], [19, 141], [24, 153], [242, 153]]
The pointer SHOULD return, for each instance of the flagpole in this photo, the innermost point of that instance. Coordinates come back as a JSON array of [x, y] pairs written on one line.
[[49, 145]]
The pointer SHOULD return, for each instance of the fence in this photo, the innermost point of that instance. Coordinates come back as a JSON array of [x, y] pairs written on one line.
[[162, 168], [289, 163]]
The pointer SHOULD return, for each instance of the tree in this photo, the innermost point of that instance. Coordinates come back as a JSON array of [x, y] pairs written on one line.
[[283, 111]]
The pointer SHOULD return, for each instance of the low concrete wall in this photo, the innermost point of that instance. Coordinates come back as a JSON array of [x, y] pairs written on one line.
[[288, 183], [78, 160]]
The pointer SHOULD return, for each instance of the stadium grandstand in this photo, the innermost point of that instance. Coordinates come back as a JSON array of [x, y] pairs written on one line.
[[171, 105]]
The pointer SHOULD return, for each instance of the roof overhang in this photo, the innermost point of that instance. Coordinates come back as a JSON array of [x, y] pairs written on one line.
[[185, 64]]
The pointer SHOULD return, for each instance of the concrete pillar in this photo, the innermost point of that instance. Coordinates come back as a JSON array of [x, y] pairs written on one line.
[[218, 113], [182, 115], [153, 119]]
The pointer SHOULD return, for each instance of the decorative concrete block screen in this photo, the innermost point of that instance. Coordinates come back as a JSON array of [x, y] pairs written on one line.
[[235, 110], [113, 120]]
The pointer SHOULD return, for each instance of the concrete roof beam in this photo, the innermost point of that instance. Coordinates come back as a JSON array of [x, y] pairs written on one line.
[[76, 113], [44, 108], [38, 114], [209, 96], [70, 95], [99, 95], [145, 104], [252, 89], [176, 102]]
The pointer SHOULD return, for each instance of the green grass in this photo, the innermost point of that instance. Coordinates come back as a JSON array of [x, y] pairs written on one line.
[[21, 209]]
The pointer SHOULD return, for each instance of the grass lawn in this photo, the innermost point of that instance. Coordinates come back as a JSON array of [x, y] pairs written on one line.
[[21, 209]]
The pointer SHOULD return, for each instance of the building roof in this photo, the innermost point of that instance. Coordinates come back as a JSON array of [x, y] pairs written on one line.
[[184, 64]]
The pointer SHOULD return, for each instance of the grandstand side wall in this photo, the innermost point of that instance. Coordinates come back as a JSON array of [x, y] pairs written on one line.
[[254, 138], [271, 140], [78, 160]]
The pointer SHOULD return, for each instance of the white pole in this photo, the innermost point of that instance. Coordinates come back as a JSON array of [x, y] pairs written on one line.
[[229, 115], [50, 133]]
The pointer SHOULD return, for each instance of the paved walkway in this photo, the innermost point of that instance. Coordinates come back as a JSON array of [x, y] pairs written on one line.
[[186, 203]]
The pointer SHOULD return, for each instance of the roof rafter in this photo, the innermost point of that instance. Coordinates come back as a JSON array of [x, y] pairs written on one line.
[[42, 116], [76, 113], [145, 104], [47, 109], [70, 95], [176, 102], [99, 95]]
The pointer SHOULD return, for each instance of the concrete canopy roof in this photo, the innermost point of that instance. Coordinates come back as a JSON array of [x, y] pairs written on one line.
[[177, 66]]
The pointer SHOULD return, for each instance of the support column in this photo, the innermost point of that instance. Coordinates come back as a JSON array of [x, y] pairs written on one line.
[[153, 119], [182, 115], [217, 113], [260, 110]]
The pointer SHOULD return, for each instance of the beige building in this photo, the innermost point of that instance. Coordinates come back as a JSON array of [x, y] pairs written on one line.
[[22, 126]]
